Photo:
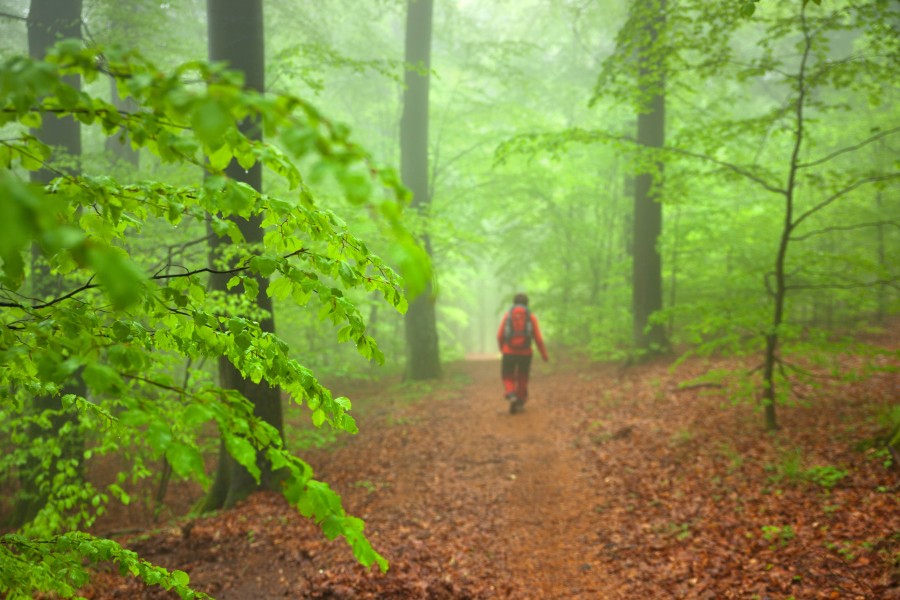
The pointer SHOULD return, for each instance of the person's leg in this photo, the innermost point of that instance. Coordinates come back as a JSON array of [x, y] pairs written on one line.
[[523, 370], [508, 374]]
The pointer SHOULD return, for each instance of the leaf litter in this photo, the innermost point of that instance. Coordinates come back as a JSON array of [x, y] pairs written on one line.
[[611, 484]]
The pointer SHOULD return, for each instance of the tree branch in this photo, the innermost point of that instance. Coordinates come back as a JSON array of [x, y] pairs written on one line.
[[845, 286], [49, 303], [805, 236], [157, 277], [837, 153], [7, 15], [579, 135], [842, 192]]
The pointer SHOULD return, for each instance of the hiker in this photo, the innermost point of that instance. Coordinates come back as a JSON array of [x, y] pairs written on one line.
[[517, 329]]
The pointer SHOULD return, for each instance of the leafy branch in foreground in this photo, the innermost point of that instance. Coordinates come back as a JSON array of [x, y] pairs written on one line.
[[46, 565], [127, 333]]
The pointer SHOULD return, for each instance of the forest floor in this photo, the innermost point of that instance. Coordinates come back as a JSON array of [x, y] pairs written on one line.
[[612, 484]]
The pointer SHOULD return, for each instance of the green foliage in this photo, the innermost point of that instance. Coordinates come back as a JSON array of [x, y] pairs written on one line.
[[778, 534], [826, 476], [790, 470], [123, 313], [747, 8], [61, 564], [889, 419]]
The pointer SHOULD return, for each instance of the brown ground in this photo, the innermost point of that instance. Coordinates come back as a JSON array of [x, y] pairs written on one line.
[[612, 484]]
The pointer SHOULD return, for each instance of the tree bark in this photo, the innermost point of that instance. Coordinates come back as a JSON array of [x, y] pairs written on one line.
[[423, 353], [236, 36], [647, 296], [119, 146]]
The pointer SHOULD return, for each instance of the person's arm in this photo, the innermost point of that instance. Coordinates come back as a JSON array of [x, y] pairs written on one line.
[[500, 332], [539, 338]]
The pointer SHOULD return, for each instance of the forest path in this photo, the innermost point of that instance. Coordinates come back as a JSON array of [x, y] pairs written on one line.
[[514, 488], [551, 488]]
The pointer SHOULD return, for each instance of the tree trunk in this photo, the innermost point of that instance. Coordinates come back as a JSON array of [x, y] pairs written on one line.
[[882, 295], [647, 266], [673, 271], [118, 146], [235, 30], [48, 22], [779, 294], [423, 354]]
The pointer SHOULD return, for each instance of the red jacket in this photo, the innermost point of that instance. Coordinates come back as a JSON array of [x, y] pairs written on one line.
[[504, 347]]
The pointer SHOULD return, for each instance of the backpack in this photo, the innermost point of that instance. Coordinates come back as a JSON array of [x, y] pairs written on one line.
[[518, 328]]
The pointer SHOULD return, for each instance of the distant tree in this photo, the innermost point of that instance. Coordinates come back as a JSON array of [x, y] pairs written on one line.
[[423, 352], [647, 287]]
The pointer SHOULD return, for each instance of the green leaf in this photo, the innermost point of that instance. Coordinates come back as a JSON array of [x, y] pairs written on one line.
[[280, 288], [244, 453], [211, 121], [119, 277], [265, 265], [238, 199], [186, 460], [101, 378], [180, 578], [159, 436], [221, 158], [197, 414], [251, 288]]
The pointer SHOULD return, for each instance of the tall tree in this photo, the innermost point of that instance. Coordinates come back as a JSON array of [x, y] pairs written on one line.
[[236, 36], [423, 354], [50, 21], [647, 296]]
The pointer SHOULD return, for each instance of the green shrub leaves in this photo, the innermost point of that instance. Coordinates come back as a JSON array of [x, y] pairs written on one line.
[[88, 292]]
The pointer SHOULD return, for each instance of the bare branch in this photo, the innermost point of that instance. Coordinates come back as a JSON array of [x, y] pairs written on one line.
[[7, 15], [49, 303], [731, 167], [810, 234], [845, 286], [839, 193], [837, 153], [589, 136]]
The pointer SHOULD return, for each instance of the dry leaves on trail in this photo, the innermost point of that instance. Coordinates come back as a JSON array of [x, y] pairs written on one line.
[[610, 485]]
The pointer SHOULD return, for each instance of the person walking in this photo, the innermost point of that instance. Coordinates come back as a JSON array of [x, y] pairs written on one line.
[[518, 329]]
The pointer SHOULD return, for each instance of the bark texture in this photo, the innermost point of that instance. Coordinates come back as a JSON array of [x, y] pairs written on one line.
[[423, 353]]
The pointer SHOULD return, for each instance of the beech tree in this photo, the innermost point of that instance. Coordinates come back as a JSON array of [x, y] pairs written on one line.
[[423, 354], [647, 287], [235, 31]]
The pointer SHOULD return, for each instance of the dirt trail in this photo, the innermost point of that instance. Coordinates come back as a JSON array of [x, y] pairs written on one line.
[[542, 507], [519, 476], [546, 504]]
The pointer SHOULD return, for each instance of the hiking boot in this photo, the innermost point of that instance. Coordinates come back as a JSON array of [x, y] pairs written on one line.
[[511, 397], [517, 405]]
